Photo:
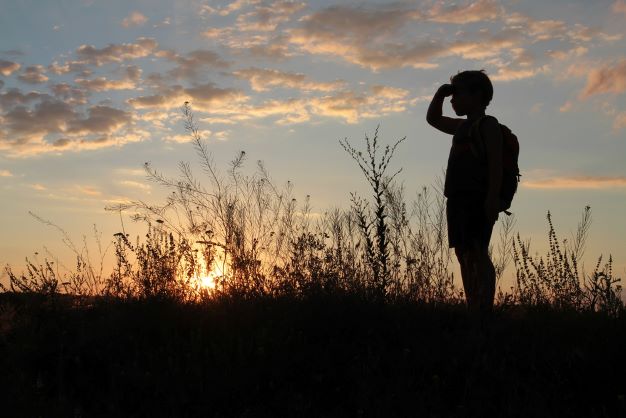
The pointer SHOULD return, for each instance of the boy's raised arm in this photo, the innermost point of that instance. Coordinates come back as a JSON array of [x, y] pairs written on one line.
[[434, 115]]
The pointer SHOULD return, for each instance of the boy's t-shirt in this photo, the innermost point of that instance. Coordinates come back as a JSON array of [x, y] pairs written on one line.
[[465, 174]]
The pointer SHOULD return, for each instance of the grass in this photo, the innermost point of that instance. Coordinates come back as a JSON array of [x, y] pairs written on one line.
[[354, 313], [326, 355]]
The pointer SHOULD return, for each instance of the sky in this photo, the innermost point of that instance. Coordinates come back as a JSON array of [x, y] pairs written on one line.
[[91, 90]]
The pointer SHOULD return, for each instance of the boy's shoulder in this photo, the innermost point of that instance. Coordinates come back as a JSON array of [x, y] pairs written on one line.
[[487, 120]]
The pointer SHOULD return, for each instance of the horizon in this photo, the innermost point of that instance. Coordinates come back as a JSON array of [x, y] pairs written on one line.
[[92, 91]]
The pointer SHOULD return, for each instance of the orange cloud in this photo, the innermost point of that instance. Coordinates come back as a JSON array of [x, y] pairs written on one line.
[[263, 79], [610, 78], [8, 67], [478, 11], [203, 95], [134, 19], [33, 74], [268, 17], [619, 122], [5, 173], [103, 84], [89, 54], [581, 182], [619, 7], [352, 33]]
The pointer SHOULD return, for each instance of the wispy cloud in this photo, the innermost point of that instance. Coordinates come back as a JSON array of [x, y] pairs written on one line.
[[619, 6], [104, 84], [203, 95], [263, 79], [576, 182], [609, 78], [477, 11], [134, 19], [266, 17], [5, 173], [135, 185], [188, 65], [89, 54]]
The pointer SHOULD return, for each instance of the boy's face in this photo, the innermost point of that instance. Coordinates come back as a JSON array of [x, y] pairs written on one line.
[[463, 101]]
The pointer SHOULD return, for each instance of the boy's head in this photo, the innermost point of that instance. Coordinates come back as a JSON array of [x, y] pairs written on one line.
[[471, 89]]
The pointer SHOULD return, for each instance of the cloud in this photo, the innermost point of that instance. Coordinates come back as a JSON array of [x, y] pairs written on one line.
[[609, 78], [567, 106], [69, 93], [274, 47], [235, 5], [5, 173], [619, 7], [203, 95], [508, 74], [352, 106], [86, 190], [538, 30], [131, 75], [478, 11], [263, 79], [619, 121], [135, 185], [217, 33], [361, 34], [573, 52], [267, 17], [103, 84], [37, 186], [33, 74], [77, 67], [14, 97], [190, 64], [37, 123], [134, 19], [100, 119], [8, 67], [578, 182], [142, 47]]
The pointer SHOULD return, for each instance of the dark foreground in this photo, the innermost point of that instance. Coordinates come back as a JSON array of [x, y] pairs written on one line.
[[329, 357]]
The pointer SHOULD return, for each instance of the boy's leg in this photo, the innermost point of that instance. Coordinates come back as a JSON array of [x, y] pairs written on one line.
[[486, 279], [468, 275], [479, 277]]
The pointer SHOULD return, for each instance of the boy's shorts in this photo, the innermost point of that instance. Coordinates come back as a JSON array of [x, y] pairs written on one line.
[[467, 222]]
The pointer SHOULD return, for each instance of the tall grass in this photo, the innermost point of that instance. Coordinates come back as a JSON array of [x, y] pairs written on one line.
[[254, 238]]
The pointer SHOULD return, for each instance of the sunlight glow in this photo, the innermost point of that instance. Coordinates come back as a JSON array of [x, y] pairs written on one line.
[[208, 281]]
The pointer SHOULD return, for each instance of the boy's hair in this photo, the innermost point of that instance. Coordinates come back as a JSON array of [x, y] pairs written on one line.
[[475, 80]]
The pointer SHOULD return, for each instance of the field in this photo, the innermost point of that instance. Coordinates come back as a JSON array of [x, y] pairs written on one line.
[[324, 355]]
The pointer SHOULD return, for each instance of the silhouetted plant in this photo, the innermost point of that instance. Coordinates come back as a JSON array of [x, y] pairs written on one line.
[[555, 279], [374, 226]]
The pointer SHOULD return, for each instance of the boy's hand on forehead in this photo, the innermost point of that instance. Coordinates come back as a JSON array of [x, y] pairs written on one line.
[[446, 90]]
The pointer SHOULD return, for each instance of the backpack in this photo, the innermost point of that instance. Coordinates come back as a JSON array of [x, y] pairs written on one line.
[[510, 169]]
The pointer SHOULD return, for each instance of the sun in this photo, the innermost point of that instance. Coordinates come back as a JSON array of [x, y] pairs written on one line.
[[208, 281]]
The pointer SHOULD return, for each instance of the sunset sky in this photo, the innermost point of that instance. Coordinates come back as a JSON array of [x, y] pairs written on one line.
[[90, 90]]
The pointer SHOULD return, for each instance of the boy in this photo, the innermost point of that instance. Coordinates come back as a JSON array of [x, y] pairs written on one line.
[[472, 184]]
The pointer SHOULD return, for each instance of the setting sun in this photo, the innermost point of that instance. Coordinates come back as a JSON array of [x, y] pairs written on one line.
[[209, 279]]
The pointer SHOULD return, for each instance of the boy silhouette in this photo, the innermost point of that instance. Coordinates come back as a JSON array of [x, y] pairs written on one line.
[[472, 184]]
